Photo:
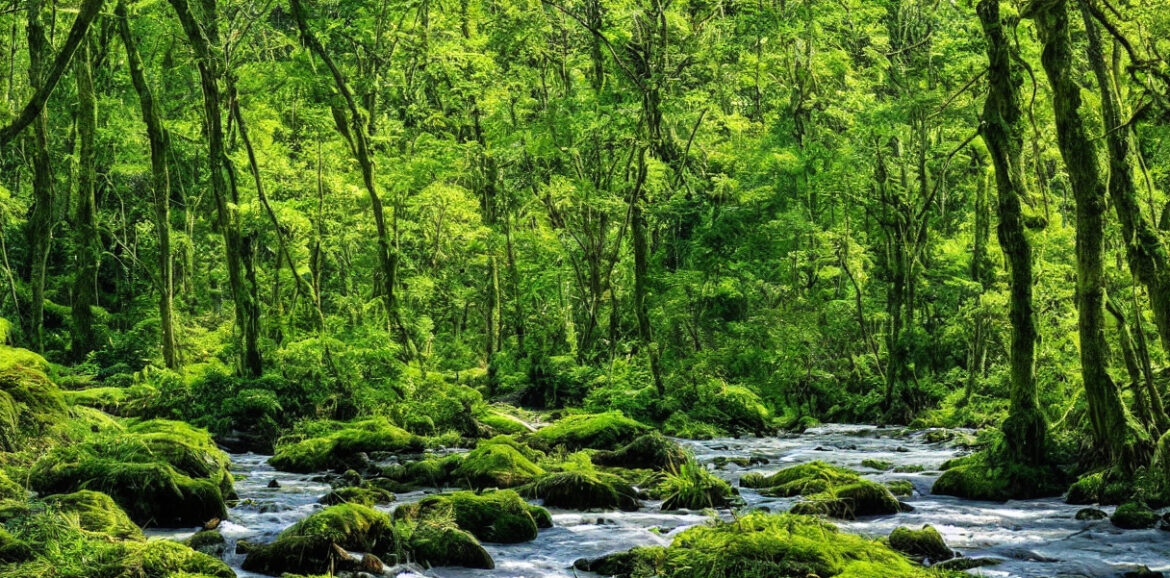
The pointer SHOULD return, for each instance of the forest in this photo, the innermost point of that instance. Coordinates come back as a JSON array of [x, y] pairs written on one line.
[[527, 288]]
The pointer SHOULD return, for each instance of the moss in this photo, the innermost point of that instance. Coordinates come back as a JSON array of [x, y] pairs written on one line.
[[827, 490], [1134, 516], [583, 490], [604, 431], [306, 547], [681, 425], [499, 462], [209, 542], [30, 403], [1085, 514], [762, 545], [96, 512], [13, 550], [358, 495], [1159, 473], [428, 472], [986, 476], [162, 558], [653, 451], [339, 449], [10, 490], [692, 487], [500, 516], [880, 465], [502, 424], [901, 488], [442, 543], [161, 472], [925, 543], [1086, 490], [115, 400], [909, 469]]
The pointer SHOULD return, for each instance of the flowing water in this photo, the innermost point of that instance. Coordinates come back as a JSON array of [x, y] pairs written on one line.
[[1027, 537]]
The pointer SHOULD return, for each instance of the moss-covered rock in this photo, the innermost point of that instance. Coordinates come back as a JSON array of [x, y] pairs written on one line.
[[925, 543], [499, 516], [827, 491], [583, 490], [96, 512], [1134, 516], [364, 496], [653, 451], [307, 546], [875, 464], [162, 473], [1089, 514], [439, 542], [761, 544], [210, 542], [500, 423], [500, 462], [10, 490], [340, 449], [30, 403], [692, 487], [986, 476], [603, 431], [901, 488]]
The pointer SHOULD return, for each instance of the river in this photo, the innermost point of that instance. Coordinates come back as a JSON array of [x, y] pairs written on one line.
[[1026, 537]]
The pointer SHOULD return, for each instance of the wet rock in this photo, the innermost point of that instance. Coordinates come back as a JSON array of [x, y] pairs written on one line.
[[357, 495], [161, 472], [827, 490], [909, 469], [1133, 516], [963, 564], [1164, 522], [1143, 572], [880, 465], [345, 448], [654, 451], [308, 546], [500, 516], [901, 488], [439, 542], [603, 431], [210, 542], [273, 484], [583, 490], [926, 543], [1091, 514]]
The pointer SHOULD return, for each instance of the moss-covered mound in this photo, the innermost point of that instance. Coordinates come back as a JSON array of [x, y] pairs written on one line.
[[96, 512], [209, 542], [30, 403], [10, 490], [499, 516], [162, 473], [440, 542], [339, 449], [308, 546], [827, 491], [654, 451], [692, 487], [761, 545], [603, 431], [986, 476], [926, 543], [583, 490], [84, 535], [1134, 516], [500, 462], [364, 496]]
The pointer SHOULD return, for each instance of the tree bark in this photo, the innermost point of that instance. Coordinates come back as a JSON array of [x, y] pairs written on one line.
[[1114, 429], [88, 249], [40, 222], [160, 187], [1144, 249], [203, 39]]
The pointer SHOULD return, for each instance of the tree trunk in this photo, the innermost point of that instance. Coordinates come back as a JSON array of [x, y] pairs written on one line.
[[641, 272], [88, 249], [40, 222], [160, 185], [203, 40], [1114, 430], [1143, 245]]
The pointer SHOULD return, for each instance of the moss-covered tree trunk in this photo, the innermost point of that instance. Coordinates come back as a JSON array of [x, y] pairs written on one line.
[[1025, 429], [160, 188], [1114, 430], [1144, 249], [88, 251], [40, 231], [204, 39]]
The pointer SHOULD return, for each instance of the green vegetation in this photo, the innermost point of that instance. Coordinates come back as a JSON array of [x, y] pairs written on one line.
[[759, 545], [925, 543], [338, 232], [499, 516], [307, 546]]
